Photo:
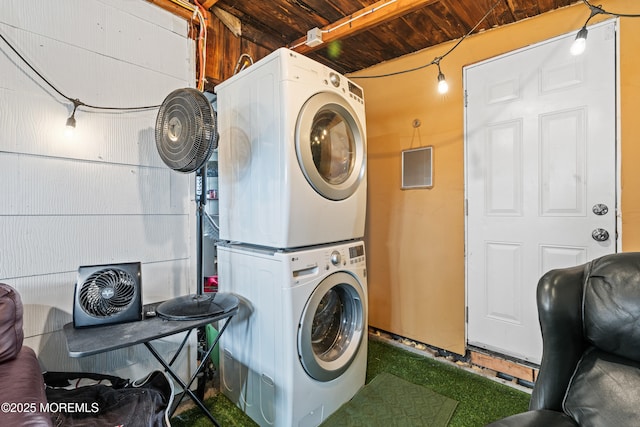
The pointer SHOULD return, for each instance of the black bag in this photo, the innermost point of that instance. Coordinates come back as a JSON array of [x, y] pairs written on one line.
[[87, 399]]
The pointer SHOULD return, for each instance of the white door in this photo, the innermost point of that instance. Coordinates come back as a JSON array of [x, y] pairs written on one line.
[[541, 180]]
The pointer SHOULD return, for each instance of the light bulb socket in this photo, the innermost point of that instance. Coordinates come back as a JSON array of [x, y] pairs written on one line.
[[582, 34], [71, 122]]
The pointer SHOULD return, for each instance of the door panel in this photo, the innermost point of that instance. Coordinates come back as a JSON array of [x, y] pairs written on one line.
[[504, 288], [540, 154], [562, 158], [503, 174]]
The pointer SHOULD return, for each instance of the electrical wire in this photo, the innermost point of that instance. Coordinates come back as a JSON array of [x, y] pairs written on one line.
[[76, 102], [595, 10], [436, 60], [198, 12], [202, 45]]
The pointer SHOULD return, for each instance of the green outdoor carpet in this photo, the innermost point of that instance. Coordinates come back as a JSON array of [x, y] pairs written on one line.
[[391, 401]]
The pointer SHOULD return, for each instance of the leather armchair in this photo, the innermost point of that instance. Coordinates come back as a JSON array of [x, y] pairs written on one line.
[[22, 389], [590, 369]]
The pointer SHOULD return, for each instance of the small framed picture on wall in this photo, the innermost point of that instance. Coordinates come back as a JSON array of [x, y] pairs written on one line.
[[417, 168]]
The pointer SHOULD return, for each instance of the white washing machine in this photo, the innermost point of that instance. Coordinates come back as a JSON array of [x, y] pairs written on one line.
[[292, 154], [297, 349]]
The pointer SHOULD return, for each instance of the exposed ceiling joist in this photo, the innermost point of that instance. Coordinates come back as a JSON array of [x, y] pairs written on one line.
[[208, 3], [349, 35], [231, 22], [362, 20], [173, 8]]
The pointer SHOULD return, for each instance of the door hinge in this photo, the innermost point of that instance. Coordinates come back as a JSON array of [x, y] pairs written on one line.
[[466, 98], [466, 314], [466, 207]]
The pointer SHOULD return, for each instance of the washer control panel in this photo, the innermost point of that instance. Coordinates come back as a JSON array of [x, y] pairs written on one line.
[[356, 253], [344, 256]]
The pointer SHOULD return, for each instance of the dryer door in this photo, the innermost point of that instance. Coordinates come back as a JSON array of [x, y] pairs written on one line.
[[332, 326], [330, 144]]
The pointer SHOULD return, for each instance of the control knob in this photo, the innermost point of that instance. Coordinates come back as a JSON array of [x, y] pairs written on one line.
[[336, 258]]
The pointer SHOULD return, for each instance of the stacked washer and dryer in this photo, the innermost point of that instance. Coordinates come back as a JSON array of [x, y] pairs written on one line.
[[292, 190]]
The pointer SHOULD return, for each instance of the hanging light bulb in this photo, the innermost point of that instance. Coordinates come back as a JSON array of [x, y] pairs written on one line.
[[580, 43], [71, 121], [443, 86]]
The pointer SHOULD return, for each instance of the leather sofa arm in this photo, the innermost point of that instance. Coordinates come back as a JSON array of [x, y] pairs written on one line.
[[559, 296]]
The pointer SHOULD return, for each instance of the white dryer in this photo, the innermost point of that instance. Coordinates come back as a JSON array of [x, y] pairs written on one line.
[[297, 349], [292, 154]]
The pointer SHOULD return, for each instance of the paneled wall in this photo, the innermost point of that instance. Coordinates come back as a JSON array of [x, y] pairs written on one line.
[[103, 195]]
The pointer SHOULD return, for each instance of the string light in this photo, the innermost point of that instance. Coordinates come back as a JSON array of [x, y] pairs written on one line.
[[71, 121], [580, 43], [443, 86]]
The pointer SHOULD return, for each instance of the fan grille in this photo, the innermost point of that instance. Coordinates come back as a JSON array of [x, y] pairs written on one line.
[[108, 292], [186, 133]]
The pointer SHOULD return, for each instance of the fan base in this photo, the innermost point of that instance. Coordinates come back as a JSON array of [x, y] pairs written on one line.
[[191, 307]]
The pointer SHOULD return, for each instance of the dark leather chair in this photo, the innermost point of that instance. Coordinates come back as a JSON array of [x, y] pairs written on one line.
[[22, 389], [590, 370]]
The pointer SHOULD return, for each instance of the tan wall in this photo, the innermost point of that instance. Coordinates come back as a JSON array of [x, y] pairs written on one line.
[[415, 238]]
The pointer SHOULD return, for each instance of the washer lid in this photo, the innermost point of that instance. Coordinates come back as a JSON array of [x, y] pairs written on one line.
[[330, 145], [332, 327]]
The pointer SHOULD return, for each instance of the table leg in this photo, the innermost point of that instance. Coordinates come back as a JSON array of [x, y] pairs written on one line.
[[179, 380], [177, 353]]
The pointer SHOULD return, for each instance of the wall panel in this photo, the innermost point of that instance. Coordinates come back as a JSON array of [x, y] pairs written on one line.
[[104, 195]]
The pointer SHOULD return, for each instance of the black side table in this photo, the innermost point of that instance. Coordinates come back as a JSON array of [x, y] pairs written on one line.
[[99, 339]]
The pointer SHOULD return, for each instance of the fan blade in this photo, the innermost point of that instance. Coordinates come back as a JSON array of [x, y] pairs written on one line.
[[186, 130]]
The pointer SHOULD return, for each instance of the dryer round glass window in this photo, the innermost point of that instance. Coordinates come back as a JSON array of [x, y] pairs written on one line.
[[332, 326], [330, 146]]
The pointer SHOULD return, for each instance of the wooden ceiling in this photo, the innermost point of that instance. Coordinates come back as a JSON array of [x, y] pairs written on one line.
[[356, 34]]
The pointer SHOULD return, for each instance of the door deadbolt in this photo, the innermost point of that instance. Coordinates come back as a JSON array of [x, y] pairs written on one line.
[[600, 235], [600, 209]]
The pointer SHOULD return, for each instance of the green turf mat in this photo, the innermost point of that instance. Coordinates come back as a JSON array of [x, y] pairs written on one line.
[[391, 401]]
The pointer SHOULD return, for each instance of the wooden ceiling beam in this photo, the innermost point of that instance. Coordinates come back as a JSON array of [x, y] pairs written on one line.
[[230, 21], [362, 20], [170, 6], [208, 3]]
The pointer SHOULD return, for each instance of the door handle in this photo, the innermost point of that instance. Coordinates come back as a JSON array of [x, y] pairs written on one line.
[[600, 209], [600, 235]]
